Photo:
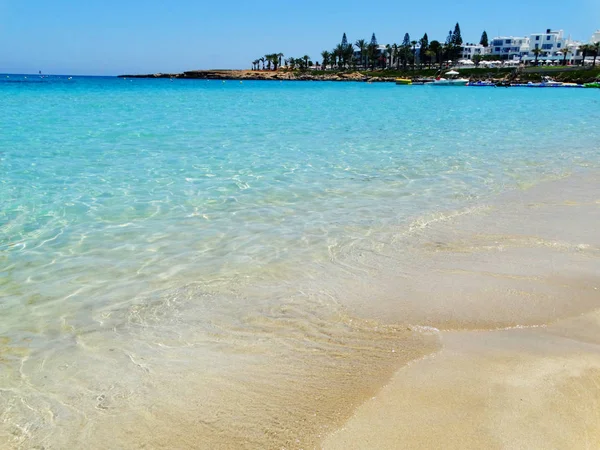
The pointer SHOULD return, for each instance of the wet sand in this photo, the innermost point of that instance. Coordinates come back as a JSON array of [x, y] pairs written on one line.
[[514, 294], [520, 388]]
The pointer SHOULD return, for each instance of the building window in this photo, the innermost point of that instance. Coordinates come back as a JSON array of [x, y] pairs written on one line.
[[507, 41], [558, 45], [497, 49], [547, 46], [547, 38], [537, 38]]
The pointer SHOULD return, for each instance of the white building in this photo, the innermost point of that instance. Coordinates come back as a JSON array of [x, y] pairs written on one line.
[[595, 37], [509, 47], [551, 42], [574, 56], [467, 51]]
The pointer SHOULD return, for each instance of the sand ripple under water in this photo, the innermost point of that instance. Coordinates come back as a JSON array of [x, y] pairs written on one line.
[[283, 363]]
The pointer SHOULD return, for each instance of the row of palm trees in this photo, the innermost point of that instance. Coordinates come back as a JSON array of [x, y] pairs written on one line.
[[370, 54], [274, 61], [271, 60], [393, 56]]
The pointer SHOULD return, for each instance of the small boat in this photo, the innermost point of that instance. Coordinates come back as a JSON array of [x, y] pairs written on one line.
[[422, 81], [450, 81], [403, 81], [596, 85], [481, 84], [549, 82]]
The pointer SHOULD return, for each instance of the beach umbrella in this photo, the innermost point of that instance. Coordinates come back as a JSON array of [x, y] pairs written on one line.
[[452, 72]]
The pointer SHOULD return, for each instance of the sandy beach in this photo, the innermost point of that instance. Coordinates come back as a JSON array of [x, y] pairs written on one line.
[[513, 296]]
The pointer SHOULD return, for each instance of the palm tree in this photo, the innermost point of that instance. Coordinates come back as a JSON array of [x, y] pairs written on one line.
[[262, 60], [279, 58], [306, 58], [436, 47], [584, 49], [414, 51], [269, 59], [361, 45], [596, 49], [537, 52], [372, 55], [325, 55], [405, 54], [564, 51], [348, 54], [430, 54], [339, 50]]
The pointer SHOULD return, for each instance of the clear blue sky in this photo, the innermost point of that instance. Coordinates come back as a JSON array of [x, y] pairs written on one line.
[[110, 37]]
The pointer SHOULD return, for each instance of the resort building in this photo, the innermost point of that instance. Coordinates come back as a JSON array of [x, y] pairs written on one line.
[[509, 47], [595, 37], [550, 41], [467, 51], [552, 44]]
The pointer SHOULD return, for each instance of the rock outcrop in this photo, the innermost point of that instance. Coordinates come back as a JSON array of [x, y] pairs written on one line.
[[264, 75]]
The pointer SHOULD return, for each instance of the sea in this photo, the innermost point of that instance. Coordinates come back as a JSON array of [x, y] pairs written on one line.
[[176, 256]]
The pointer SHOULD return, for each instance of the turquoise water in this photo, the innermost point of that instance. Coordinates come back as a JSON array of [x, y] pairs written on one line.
[[115, 191]]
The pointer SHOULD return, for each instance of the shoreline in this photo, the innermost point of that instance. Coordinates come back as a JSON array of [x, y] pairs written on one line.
[[499, 75], [361, 375], [262, 75]]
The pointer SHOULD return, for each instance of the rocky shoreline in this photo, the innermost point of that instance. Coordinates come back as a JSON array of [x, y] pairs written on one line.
[[263, 75], [571, 75]]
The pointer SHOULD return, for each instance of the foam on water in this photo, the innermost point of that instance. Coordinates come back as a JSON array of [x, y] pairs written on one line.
[[173, 254]]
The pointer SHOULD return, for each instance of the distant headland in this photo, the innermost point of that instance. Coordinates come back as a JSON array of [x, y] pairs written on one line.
[[267, 75], [500, 73]]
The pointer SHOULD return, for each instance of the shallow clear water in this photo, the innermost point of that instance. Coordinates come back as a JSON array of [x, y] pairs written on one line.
[[118, 195]]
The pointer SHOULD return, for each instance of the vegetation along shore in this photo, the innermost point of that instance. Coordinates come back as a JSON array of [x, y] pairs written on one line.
[[566, 74], [369, 61]]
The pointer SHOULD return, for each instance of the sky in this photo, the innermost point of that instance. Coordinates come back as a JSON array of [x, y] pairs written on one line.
[[112, 37]]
